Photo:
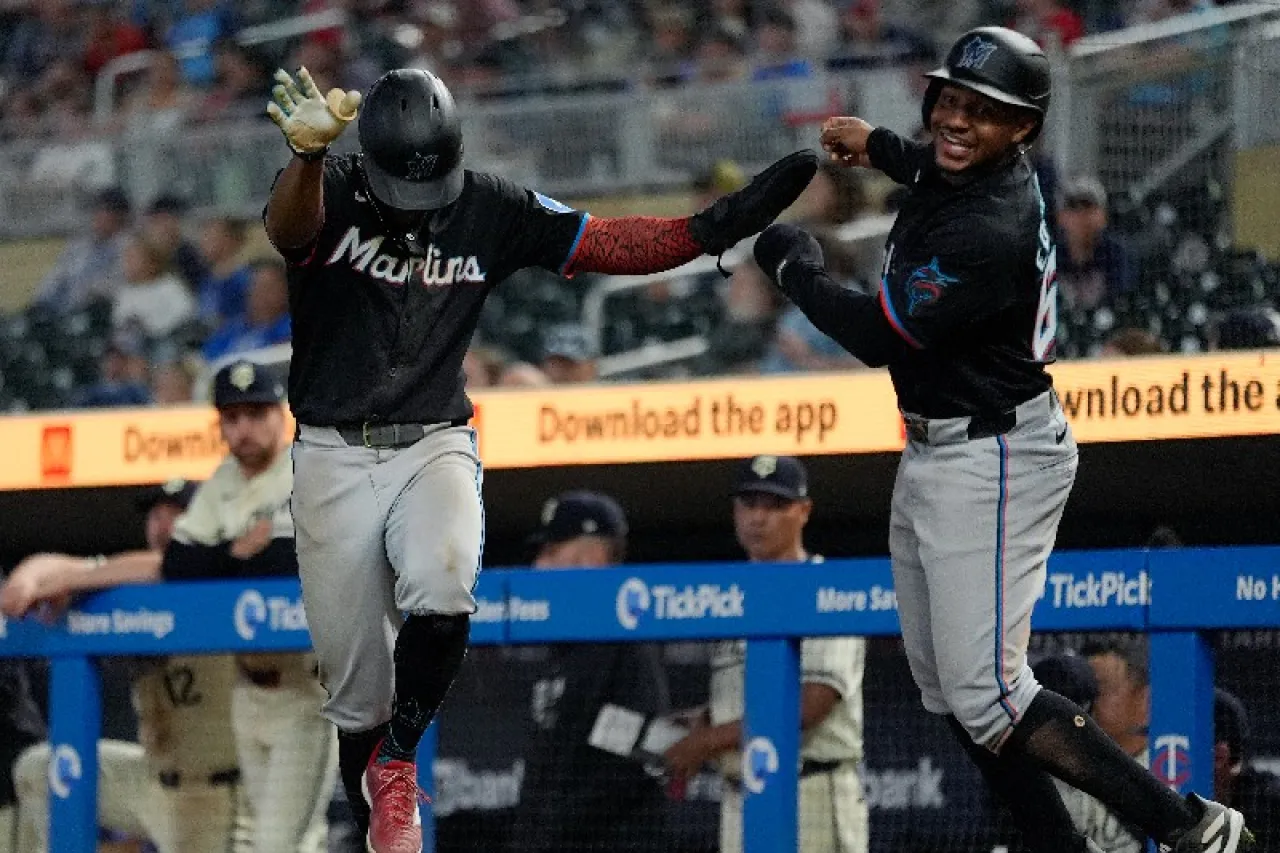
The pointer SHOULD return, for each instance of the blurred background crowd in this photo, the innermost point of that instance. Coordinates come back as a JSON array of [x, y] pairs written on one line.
[[150, 291]]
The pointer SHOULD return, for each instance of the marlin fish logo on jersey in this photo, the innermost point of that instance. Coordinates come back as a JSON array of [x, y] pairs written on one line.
[[926, 285]]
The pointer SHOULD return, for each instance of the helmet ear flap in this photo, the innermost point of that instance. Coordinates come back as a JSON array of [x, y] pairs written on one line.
[[926, 106]]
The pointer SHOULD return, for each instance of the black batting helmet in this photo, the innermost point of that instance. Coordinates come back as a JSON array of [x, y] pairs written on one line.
[[1002, 64], [411, 141]]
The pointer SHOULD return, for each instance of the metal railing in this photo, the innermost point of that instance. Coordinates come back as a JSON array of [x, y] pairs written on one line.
[[1178, 597], [1143, 108], [571, 146], [1159, 107]]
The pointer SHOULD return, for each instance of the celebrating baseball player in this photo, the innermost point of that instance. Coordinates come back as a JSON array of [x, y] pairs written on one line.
[[771, 507], [178, 786], [966, 320], [392, 252]]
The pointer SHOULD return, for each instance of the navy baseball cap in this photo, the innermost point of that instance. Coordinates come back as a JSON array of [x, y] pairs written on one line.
[[1069, 675], [178, 492], [246, 382], [784, 476], [573, 514]]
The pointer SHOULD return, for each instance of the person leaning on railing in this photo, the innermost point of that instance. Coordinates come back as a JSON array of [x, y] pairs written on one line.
[[771, 506]]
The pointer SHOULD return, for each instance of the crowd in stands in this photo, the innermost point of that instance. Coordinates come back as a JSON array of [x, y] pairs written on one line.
[[150, 293], [142, 303], [210, 60]]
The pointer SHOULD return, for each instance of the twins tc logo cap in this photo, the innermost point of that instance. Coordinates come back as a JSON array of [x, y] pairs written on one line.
[[581, 513], [784, 476], [246, 382]]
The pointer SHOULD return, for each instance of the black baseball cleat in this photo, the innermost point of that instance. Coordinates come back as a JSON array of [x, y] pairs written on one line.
[[1219, 830]]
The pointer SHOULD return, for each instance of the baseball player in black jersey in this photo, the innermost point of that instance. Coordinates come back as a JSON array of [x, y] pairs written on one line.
[[391, 254], [965, 321]]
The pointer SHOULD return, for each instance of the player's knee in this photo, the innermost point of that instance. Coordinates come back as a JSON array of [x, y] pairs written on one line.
[[448, 625], [986, 713]]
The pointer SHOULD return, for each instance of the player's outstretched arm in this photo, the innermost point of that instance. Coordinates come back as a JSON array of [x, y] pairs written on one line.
[[851, 141], [635, 245], [48, 579], [310, 122], [792, 259]]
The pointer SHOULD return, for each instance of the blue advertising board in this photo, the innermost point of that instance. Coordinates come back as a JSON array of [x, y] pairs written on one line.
[[1174, 595]]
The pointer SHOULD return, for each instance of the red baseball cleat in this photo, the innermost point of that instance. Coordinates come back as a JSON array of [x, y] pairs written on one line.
[[392, 792]]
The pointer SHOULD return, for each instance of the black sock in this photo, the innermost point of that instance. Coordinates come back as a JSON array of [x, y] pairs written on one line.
[[1033, 800], [1060, 737], [429, 652], [354, 749]]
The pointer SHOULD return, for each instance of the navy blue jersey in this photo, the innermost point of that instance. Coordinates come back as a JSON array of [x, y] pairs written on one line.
[[967, 311], [382, 319], [968, 285]]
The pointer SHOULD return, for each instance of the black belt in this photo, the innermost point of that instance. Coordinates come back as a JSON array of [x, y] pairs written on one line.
[[980, 426], [173, 778], [269, 678], [389, 436], [808, 768]]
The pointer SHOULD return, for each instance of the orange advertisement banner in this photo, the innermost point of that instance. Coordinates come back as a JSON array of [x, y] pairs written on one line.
[[1148, 399]]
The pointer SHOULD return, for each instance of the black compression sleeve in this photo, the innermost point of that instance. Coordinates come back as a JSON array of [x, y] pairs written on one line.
[[853, 320], [899, 158]]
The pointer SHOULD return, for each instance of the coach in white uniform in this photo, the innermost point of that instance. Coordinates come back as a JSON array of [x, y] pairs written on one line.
[[771, 507], [239, 525], [178, 786]]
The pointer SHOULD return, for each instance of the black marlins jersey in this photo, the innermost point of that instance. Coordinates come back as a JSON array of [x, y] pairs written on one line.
[[382, 320], [968, 287]]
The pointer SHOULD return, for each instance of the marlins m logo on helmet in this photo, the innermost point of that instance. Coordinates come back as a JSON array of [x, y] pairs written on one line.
[[420, 166], [976, 53]]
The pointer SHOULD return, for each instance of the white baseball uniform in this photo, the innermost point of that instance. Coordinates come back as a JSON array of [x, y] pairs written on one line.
[[179, 785], [832, 804], [288, 753]]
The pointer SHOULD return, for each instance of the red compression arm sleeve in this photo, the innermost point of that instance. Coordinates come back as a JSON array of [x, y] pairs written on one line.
[[633, 245]]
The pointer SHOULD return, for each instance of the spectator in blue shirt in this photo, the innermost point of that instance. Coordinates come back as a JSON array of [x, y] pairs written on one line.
[[89, 268], [223, 291], [1093, 265], [776, 47], [266, 318], [192, 37], [123, 376]]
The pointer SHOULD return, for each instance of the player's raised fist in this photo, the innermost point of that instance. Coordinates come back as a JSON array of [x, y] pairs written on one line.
[[310, 120], [844, 138]]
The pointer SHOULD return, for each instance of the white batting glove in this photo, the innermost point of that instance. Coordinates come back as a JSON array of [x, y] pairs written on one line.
[[309, 120]]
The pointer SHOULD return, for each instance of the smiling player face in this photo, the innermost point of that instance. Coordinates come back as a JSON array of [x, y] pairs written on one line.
[[970, 129]]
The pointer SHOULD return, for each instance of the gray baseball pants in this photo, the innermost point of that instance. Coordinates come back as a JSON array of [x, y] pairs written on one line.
[[381, 533], [972, 525]]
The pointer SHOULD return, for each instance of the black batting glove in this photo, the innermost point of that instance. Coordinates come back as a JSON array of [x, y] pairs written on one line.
[[740, 214], [783, 249]]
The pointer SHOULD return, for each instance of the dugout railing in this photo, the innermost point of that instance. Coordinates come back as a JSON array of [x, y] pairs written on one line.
[[1177, 596]]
